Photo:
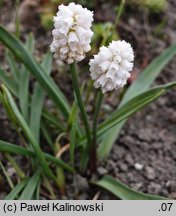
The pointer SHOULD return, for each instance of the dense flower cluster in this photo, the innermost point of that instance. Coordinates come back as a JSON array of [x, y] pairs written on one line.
[[72, 34], [111, 66]]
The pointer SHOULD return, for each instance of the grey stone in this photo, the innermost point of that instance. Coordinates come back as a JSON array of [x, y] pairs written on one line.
[[111, 165], [102, 171], [123, 167], [172, 195], [154, 188], [129, 159], [118, 153], [82, 183], [171, 185], [149, 173], [137, 186]]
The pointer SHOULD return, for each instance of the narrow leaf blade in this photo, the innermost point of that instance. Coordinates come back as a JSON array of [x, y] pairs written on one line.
[[11, 148], [130, 108], [122, 191], [16, 190], [11, 84], [31, 186], [24, 77], [45, 81], [38, 99], [133, 106], [13, 66], [13, 109]]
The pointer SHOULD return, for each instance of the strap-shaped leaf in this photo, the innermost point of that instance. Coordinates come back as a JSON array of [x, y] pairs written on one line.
[[52, 119], [142, 83], [38, 99], [13, 111], [13, 66], [12, 148], [131, 107], [24, 77], [9, 82], [36, 196], [31, 187], [122, 191], [45, 80], [16, 190]]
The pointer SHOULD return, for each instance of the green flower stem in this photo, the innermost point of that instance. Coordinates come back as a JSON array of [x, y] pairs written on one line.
[[80, 103], [120, 11], [93, 152], [20, 173]]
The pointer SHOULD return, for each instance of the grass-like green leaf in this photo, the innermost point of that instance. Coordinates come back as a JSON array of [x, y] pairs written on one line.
[[30, 43], [122, 191], [47, 136], [37, 193], [13, 111], [52, 119], [13, 66], [24, 93], [38, 99], [133, 106], [142, 83], [130, 108], [24, 78], [45, 80], [12, 148], [31, 187], [9, 82], [16, 190]]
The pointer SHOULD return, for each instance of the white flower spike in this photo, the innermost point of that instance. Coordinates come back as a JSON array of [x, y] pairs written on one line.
[[111, 66], [72, 34]]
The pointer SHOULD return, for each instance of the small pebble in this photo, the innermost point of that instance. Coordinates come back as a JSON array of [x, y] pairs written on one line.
[[149, 173], [165, 193], [118, 153], [137, 186], [154, 188], [111, 165], [102, 171], [123, 167], [64, 197], [116, 170], [171, 185], [82, 183], [129, 159], [139, 166], [172, 195]]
